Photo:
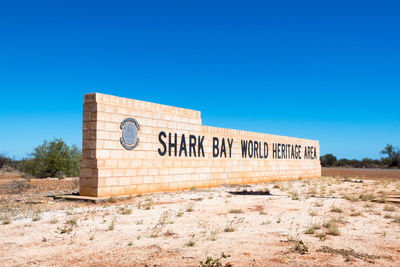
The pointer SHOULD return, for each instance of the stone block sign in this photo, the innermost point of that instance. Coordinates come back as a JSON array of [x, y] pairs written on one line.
[[131, 146]]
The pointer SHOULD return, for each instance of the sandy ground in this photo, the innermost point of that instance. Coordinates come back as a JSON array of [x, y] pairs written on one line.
[[326, 221]]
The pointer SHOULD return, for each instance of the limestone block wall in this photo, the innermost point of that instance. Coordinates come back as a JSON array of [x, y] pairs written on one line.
[[210, 156]]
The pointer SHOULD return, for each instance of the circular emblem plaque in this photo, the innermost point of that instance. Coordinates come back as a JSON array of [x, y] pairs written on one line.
[[130, 128]]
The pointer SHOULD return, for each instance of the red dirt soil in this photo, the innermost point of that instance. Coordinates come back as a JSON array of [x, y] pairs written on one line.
[[362, 173]]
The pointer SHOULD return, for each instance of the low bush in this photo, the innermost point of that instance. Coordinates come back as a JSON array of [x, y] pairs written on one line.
[[53, 159]]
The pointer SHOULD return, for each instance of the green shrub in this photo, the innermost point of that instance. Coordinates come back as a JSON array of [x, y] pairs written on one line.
[[53, 159]]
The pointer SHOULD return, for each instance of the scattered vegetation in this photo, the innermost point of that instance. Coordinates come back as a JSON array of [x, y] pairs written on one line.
[[266, 222], [112, 224], [388, 216], [18, 186], [367, 196], [235, 211], [190, 207], [336, 209], [125, 211], [318, 204], [355, 213], [190, 243], [66, 229], [36, 216], [313, 213], [389, 208], [294, 196], [210, 262], [332, 227], [368, 205], [300, 247], [72, 222], [352, 198], [68, 226], [5, 220], [112, 199], [213, 235], [312, 228], [148, 204], [162, 221], [321, 236], [229, 229]]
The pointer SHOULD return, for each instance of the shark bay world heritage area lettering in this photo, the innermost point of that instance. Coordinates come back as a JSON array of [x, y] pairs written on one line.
[[188, 145]]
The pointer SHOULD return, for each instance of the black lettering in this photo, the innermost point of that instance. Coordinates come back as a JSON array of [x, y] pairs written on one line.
[[183, 146], [230, 146], [223, 148], [215, 147], [200, 146], [162, 153], [279, 150], [192, 145], [172, 145], [274, 150], [265, 150], [244, 148], [251, 149], [255, 149]]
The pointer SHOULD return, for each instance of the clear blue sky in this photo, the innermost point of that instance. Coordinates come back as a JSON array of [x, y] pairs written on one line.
[[326, 70]]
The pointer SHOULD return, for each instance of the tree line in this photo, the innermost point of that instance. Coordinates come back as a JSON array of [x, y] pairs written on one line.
[[53, 158], [390, 159]]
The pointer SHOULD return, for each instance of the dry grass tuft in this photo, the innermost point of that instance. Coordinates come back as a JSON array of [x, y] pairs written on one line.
[[235, 211], [229, 229], [336, 209], [125, 211], [367, 196], [389, 208]]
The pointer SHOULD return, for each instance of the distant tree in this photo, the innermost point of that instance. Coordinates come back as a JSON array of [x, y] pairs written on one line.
[[343, 163], [4, 160], [328, 160], [378, 163], [393, 156], [392, 160], [355, 163], [367, 163], [53, 159]]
